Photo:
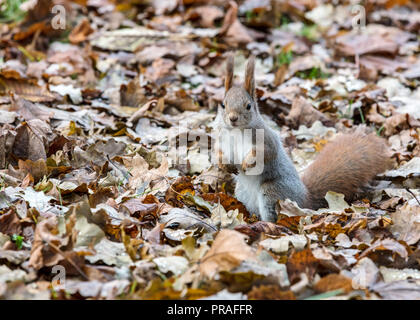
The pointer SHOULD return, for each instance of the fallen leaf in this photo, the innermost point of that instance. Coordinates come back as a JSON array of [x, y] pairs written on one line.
[[81, 31], [270, 292], [398, 290], [406, 224], [332, 282], [365, 274], [228, 251], [281, 245], [176, 265], [303, 113], [387, 245], [254, 230], [301, 262]]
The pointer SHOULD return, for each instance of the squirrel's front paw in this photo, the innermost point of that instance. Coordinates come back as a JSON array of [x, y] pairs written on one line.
[[249, 161]]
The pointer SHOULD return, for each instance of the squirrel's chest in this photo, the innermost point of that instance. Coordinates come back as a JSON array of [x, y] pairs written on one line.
[[248, 191]]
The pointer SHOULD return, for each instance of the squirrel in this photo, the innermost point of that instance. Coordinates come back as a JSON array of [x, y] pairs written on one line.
[[344, 166]]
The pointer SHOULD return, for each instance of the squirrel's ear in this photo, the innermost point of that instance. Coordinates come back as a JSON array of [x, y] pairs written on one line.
[[249, 76], [229, 72]]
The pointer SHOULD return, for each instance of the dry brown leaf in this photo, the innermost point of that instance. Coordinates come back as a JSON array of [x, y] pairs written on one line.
[[406, 223], [382, 64], [254, 230], [228, 250], [132, 94], [395, 123], [38, 169], [228, 202], [141, 176], [81, 31], [155, 235], [163, 207], [398, 290], [10, 223], [26, 90], [291, 223], [270, 292], [138, 209], [332, 282], [358, 44], [206, 15], [50, 249], [303, 113], [160, 68], [301, 262], [386, 245], [31, 140], [232, 30], [175, 193]]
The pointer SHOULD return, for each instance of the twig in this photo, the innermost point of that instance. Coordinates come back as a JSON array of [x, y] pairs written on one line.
[[125, 174], [414, 196], [68, 259]]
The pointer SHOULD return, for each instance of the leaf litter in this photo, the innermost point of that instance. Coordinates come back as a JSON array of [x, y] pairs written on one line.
[[90, 123]]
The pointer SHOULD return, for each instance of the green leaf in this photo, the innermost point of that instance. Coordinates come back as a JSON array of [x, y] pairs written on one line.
[[10, 11], [285, 58], [18, 240]]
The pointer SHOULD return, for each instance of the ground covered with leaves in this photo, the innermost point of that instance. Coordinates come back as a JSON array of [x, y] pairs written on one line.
[[93, 204]]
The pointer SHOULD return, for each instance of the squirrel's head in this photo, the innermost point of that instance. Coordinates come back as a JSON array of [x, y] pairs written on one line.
[[239, 107]]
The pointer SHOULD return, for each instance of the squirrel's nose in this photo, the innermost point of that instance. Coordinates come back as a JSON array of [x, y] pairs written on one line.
[[233, 118]]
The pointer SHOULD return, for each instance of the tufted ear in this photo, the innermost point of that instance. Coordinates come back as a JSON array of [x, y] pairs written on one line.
[[249, 84], [229, 72]]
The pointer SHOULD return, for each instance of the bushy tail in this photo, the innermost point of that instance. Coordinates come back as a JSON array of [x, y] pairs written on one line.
[[345, 165]]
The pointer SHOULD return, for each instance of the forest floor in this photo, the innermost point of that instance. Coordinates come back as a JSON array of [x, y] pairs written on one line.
[[93, 203]]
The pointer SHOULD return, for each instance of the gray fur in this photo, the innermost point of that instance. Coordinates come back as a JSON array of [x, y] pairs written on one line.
[[279, 179]]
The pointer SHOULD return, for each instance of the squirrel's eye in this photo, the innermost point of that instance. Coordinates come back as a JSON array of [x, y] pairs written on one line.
[[223, 105], [248, 106]]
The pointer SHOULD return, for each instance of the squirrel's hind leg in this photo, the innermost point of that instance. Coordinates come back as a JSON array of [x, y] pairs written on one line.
[[257, 198], [266, 208], [268, 196], [247, 193]]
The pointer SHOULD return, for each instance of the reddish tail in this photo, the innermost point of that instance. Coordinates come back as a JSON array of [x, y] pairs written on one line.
[[345, 165]]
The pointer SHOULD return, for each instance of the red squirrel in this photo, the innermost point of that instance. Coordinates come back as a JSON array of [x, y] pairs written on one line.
[[344, 165]]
